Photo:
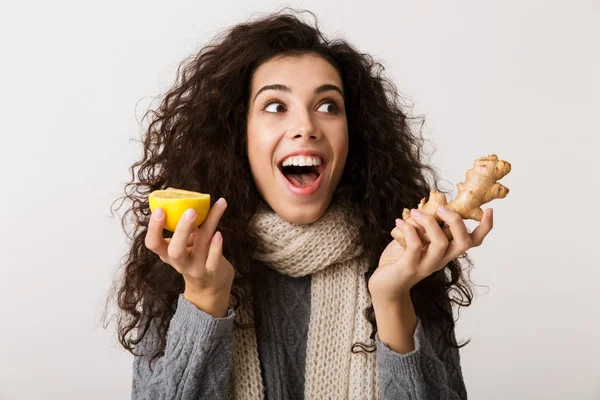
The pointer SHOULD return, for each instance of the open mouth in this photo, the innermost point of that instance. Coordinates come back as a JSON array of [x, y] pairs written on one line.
[[303, 180], [301, 176]]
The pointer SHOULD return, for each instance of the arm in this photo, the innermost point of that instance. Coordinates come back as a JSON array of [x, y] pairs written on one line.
[[414, 361], [197, 362]]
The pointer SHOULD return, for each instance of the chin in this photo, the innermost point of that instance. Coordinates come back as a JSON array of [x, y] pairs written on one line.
[[301, 214]]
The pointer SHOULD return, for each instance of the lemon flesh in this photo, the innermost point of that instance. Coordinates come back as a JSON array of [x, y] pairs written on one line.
[[174, 202]]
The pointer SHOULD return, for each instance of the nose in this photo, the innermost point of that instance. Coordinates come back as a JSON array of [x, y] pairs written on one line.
[[302, 126]]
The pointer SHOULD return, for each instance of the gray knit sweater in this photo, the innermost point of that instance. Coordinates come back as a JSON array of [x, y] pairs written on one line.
[[197, 359]]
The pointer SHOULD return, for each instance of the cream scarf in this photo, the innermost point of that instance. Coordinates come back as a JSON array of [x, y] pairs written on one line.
[[329, 249]]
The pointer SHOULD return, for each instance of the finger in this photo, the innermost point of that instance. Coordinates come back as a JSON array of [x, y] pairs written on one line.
[[461, 239], [177, 250], [154, 240], [190, 241], [484, 227], [438, 241], [214, 252], [398, 233], [207, 229], [414, 246]]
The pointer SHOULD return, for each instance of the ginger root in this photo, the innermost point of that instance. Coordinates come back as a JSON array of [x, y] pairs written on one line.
[[480, 187]]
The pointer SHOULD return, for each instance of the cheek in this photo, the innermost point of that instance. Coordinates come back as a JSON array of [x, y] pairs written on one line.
[[260, 146], [341, 143]]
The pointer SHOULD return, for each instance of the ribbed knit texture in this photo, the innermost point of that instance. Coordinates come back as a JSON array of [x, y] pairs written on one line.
[[330, 250], [309, 322]]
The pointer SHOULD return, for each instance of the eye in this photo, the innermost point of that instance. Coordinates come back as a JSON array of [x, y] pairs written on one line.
[[329, 110], [278, 106]]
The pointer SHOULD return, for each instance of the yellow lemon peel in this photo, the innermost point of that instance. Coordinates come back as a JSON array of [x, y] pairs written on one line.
[[174, 202]]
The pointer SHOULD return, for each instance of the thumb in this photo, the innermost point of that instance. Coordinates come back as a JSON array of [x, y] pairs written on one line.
[[214, 252]]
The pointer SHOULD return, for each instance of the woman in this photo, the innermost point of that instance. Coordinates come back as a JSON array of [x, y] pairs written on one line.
[[314, 158]]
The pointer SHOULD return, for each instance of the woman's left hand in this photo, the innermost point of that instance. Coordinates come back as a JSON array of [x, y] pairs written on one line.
[[415, 263]]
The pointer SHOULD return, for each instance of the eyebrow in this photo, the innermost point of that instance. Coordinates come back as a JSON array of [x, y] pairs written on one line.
[[287, 89]]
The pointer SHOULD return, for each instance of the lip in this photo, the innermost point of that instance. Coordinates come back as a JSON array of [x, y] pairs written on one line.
[[307, 190], [303, 191]]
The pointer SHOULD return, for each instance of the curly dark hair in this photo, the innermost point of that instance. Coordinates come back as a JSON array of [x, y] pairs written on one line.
[[196, 140]]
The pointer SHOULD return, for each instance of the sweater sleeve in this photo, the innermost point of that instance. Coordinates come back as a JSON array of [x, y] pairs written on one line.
[[431, 371], [197, 361]]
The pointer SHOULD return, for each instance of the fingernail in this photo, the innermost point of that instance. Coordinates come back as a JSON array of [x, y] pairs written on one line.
[[190, 214], [158, 213], [416, 212], [217, 237], [491, 212], [220, 202], [399, 222], [443, 209]]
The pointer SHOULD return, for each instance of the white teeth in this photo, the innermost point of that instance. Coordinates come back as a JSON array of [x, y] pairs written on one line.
[[302, 161]]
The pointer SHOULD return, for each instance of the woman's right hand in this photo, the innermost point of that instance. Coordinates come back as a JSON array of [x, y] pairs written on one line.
[[197, 254]]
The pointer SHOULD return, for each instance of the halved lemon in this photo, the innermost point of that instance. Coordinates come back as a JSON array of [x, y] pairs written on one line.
[[174, 202]]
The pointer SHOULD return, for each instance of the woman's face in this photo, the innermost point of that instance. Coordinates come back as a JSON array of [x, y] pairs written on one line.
[[296, 116]]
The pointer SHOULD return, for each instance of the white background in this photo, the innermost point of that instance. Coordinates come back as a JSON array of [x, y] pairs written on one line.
[[515, 78]]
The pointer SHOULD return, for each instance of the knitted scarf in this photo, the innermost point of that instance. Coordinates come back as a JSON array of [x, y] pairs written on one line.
[[330, 250]]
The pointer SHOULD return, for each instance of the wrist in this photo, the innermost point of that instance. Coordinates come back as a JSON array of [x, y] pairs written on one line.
[[396, 322], [397, 301], [215, 304]]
